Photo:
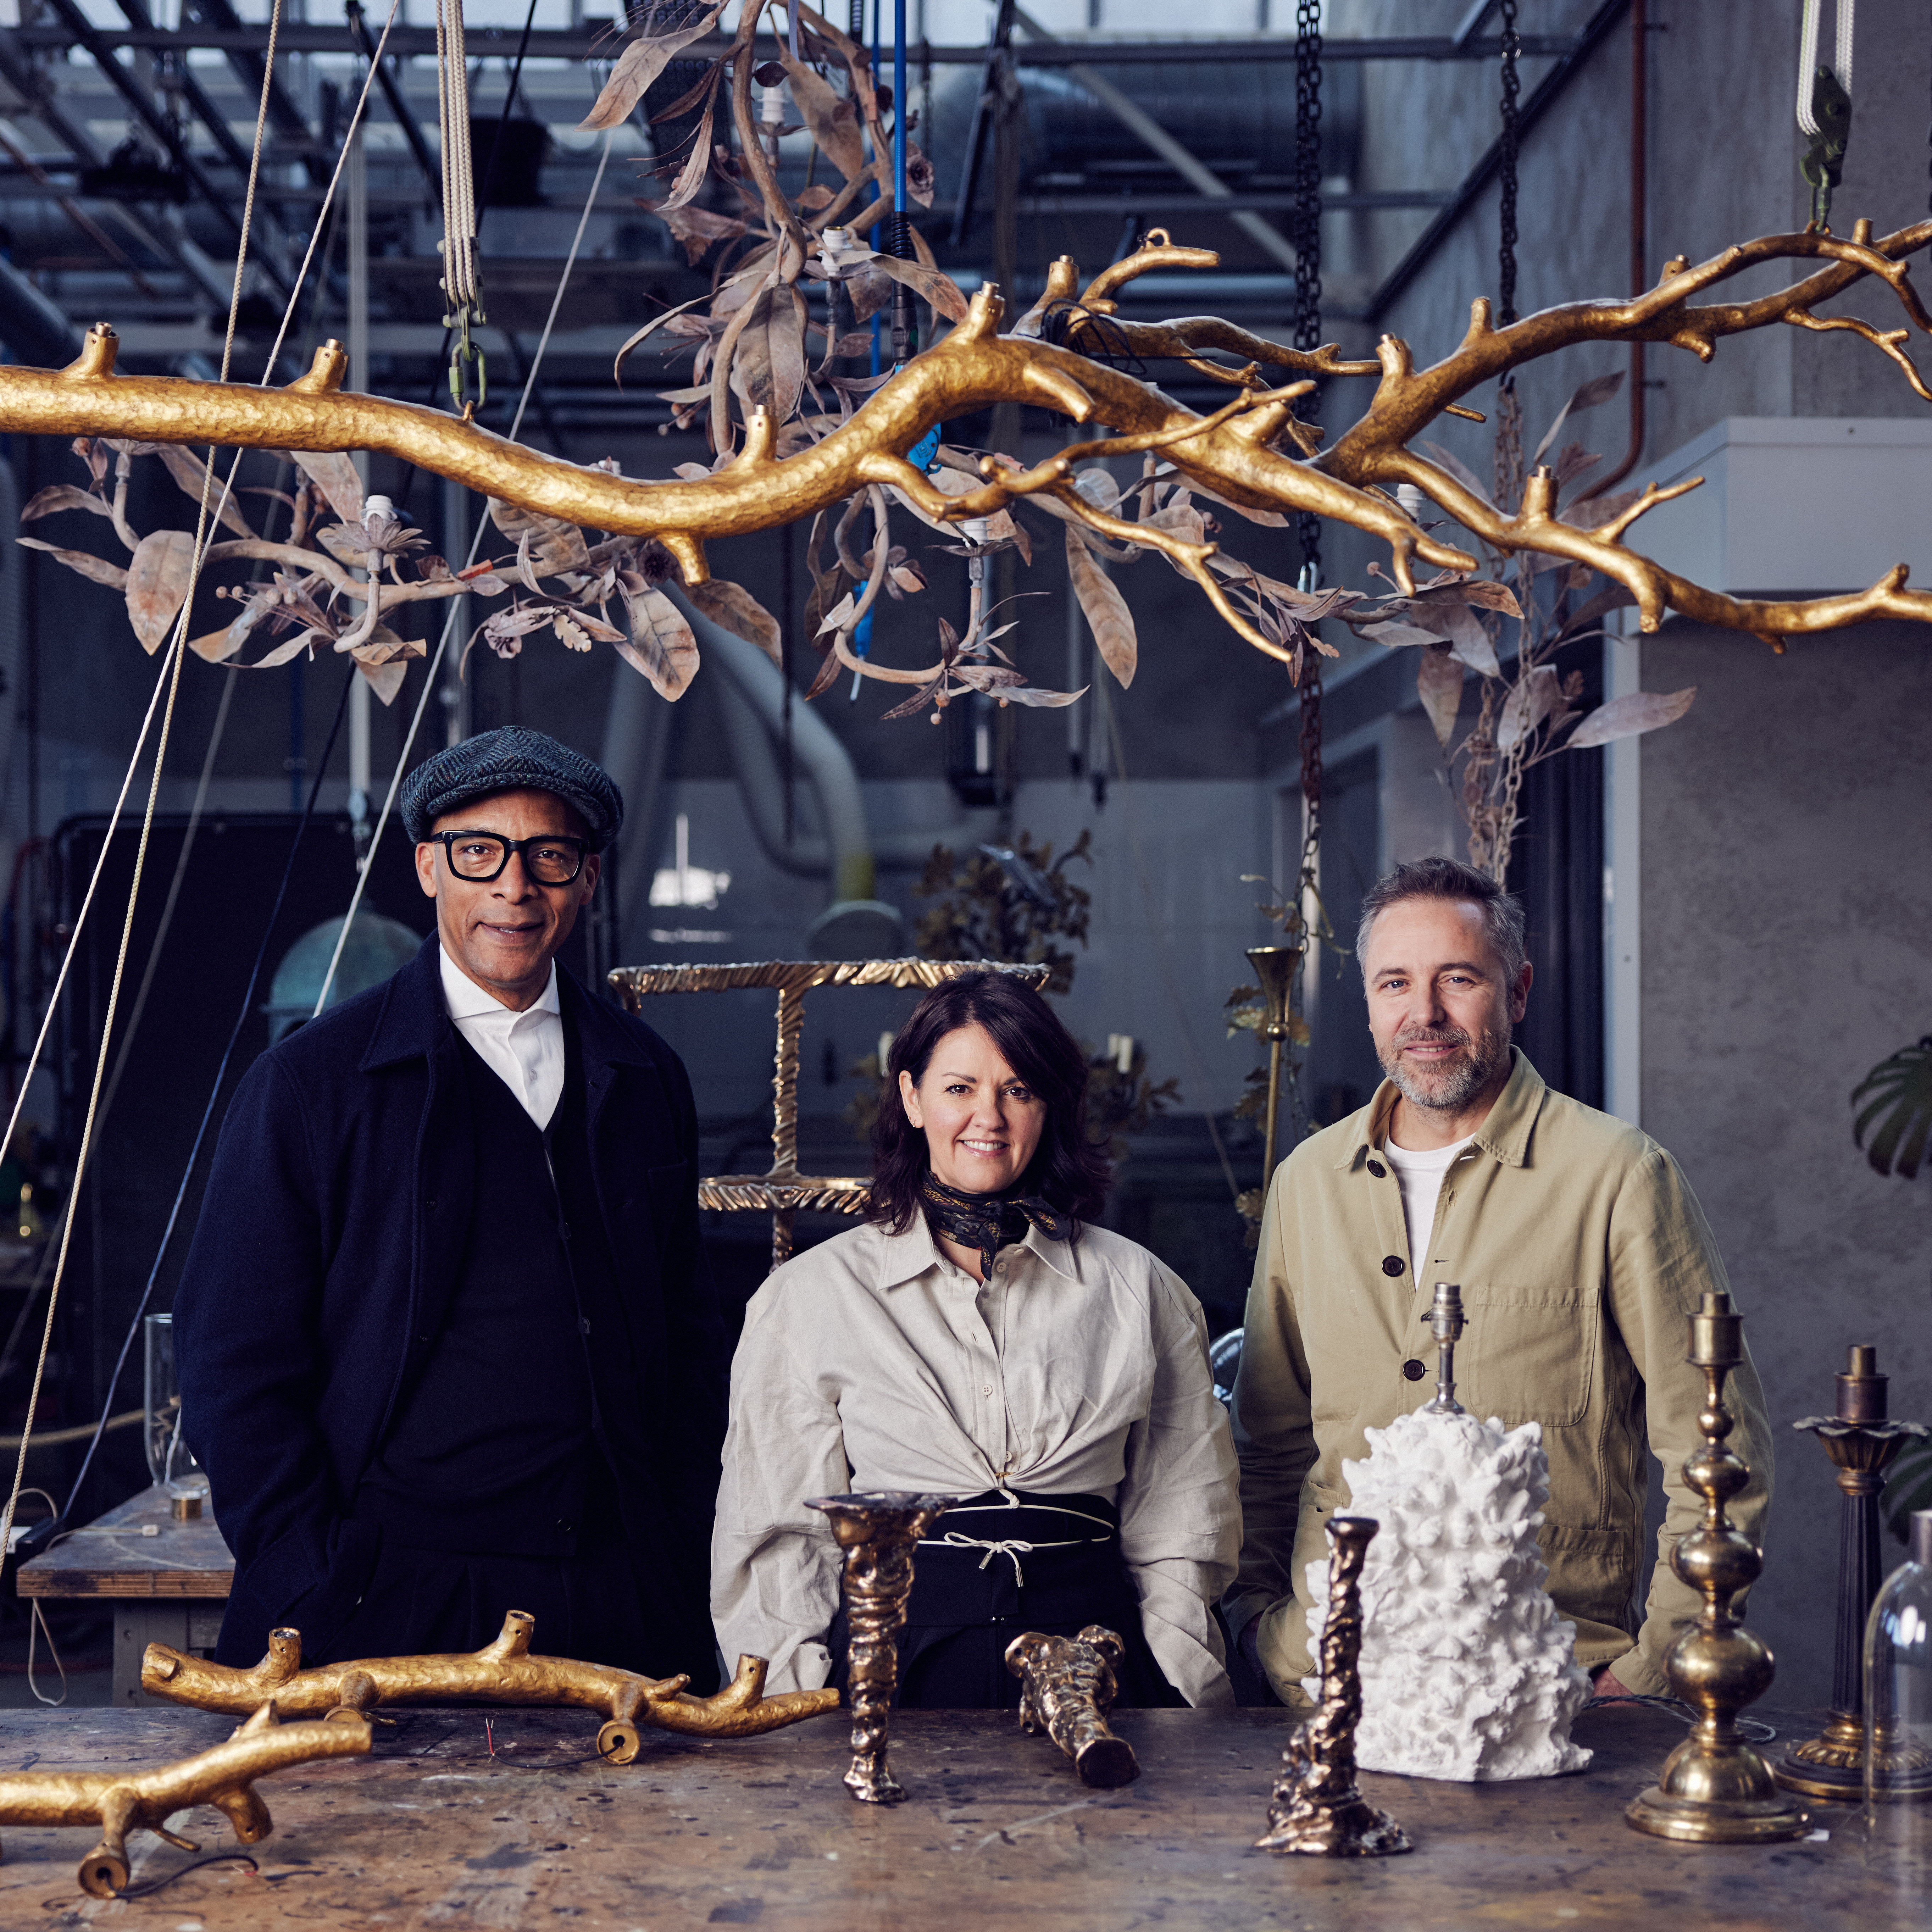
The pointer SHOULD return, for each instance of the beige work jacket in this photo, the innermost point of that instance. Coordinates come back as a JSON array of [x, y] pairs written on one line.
[[1580, 1250]]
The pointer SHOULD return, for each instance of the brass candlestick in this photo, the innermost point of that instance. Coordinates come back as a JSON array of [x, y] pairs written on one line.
[[1274, 968], [1314, 1807], [1069, 1687], [1446, 1324], [877, 1531], [1861, 1443], [1713, 1789]]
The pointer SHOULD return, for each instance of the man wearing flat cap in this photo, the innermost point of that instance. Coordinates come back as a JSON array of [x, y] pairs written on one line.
[[445, 1329]]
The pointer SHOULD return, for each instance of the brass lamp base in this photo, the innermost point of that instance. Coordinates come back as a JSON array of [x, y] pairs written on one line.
[[1706, 1821], [1832, 1766]]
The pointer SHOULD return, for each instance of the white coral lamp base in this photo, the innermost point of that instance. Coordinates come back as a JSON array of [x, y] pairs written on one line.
[[1468, 1672]]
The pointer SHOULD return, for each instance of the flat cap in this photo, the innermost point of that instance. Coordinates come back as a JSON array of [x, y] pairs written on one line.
[[512, 759]]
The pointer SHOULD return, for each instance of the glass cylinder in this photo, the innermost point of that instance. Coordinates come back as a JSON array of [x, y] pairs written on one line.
[[1898, 1704], [171, 1463]]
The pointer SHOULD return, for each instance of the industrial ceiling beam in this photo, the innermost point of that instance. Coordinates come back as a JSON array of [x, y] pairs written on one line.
[[1548, 90], [32, 326], [248, 67], [580, 43], [399, 108], [1146, 129]]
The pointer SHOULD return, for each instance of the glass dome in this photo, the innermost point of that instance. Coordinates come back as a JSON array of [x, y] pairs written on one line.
[[1898, 1713]]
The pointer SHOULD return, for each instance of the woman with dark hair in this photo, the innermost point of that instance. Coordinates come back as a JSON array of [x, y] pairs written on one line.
[[979, 1337]]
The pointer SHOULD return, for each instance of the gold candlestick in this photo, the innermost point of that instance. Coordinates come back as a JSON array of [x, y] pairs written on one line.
[[1713, 1789], [1274, 968], [1314, 1807], [1861, 1442], [877, 1531], [1069, 1687]]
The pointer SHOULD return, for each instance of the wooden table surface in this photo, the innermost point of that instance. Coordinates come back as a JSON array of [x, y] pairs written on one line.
[[112, 1556], [432, 1830]]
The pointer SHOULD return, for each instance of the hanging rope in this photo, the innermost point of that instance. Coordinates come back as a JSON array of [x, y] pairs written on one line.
[[1824, 108], [1509, 469], [209, 515], [449, 621], [458, 245]]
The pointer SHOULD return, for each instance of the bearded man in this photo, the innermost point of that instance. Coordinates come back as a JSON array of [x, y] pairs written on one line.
[[1580, 1251]]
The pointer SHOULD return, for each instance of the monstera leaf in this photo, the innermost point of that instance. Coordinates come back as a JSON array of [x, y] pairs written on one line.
[[1900, 1104]]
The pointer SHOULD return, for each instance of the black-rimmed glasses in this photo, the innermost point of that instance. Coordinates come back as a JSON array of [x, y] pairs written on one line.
[[551, 859]]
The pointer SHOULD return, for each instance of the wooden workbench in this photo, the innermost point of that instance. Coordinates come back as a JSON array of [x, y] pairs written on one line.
[[165, 1582], [432, 1831]]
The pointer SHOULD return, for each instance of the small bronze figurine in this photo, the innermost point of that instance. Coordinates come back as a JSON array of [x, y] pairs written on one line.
[[1713, 1789], [877, 1532], [1314, 1807], [1861, 1443], [1069, 1688]]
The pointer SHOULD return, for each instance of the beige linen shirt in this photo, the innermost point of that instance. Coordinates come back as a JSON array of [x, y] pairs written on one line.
[[871, 1362], [1581, 1252]]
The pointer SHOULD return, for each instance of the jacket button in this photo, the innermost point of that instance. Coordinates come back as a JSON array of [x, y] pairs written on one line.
[[1392, 1264], [1375, 1168], [1414, 1370], [430, 1204]]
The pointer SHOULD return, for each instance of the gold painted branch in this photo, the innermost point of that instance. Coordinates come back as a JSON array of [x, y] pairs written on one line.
[[125, 1802], [503, 1672]]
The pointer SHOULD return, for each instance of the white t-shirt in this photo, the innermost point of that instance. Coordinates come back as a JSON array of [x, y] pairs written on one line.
[[1420, 1178], [525, 1050]]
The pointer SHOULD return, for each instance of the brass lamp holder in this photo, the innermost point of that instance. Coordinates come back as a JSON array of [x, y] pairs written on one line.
[[1714, 1788], [1446, 1324], [877, 1530], [1315, 1807], [1861, 1443]]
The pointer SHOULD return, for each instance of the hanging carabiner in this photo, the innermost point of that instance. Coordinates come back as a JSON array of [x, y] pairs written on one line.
[[465, 350]]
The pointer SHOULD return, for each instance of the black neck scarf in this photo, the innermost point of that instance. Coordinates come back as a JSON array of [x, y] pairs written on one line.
[[988, 1222]]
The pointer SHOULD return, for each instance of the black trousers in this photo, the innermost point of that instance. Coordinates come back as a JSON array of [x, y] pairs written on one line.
[[599, 1607], [968, 1603]]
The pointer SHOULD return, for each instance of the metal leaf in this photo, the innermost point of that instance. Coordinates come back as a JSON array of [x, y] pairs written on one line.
[[157, 581], [1105, 609], [933, 286], [1901, 1107], [833, 118], [1396, 635], [1457, 468], [642, 61], [661, 645], [193, 477], [334, 475], [554, 545], [1035, 699], [83, 561], [1438, 683], [1532, 701], [696, 165], [1586, 396], [63, 496], [732, 608], [1626, 717]]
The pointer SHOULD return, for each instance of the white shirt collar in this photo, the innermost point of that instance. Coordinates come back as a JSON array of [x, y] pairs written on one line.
[[467, 1000]]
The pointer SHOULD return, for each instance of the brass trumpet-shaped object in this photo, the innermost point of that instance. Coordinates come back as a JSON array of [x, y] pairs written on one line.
[[1274, 969], [1069, 1686], [503, 1672], [1861, 1442], [1713, 1789], [1315, 1807], [877, 1531], [124, 1802]]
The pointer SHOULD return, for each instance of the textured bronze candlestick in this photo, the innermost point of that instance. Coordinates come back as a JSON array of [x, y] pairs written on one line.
[[1861, 1444], [877, 1531], [1446, 1324], [1069, 1688], [1314, 1807], [1713, 1789]]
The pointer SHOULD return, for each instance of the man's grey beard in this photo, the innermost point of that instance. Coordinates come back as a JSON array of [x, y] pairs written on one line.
[[1452, 1089]]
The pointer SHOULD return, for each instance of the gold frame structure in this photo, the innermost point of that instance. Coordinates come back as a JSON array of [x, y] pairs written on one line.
[[783, 1191]]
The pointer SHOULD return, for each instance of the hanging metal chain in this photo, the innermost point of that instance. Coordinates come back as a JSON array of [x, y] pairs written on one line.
[[1509, 468]]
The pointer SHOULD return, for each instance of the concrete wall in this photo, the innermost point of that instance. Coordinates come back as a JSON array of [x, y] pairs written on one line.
[[1787, 923]]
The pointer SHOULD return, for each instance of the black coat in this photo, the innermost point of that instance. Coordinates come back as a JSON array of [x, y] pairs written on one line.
[[334, 1226]]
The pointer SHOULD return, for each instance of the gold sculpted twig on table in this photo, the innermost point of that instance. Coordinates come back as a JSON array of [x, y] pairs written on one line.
[[502, 1673], [1069, 1688], [1315, 1807], [877, 1531], [784, 1191], [1713, 1789], [124, 1802]]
